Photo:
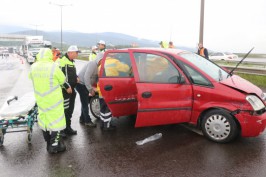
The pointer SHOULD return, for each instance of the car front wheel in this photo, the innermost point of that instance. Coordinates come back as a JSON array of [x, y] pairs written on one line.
[[219, 126]]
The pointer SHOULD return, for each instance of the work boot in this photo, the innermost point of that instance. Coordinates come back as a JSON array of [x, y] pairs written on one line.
[[70, 131], [63, 134], [47, 138], [47, 146], [56, 144], [60, 147], [91, 124]]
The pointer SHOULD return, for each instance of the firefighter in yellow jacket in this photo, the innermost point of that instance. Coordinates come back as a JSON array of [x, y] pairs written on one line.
[[47, 81]]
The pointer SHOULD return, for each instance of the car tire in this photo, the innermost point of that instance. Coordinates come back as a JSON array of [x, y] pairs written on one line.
[[219, 126], [95, 106]]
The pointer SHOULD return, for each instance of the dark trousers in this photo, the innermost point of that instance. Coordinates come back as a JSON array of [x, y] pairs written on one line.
[[105, 113], [69, 104], [51, 137], [85, 100]]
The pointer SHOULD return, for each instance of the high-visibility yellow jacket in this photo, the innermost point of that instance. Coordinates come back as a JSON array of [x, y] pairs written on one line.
[[92, 56], [69, 69], [164, 44], [47, 79]]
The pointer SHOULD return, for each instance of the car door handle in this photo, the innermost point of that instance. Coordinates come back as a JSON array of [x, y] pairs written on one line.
[[108, 87], [146, 94]]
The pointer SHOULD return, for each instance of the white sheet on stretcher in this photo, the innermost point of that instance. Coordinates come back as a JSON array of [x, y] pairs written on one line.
[[18, 107]]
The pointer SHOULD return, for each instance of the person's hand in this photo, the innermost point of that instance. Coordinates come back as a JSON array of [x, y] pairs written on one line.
[[95, 89], [92, 93], [69, 90], [78, 80]]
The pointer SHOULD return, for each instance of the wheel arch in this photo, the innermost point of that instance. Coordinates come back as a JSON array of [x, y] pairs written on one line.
[[199, 121]]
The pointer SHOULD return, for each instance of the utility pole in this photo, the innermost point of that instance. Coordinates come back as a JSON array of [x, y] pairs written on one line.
[[61, 8], [201, 22]]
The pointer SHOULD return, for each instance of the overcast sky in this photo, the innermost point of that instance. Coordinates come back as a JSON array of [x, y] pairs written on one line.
[[230, 25]]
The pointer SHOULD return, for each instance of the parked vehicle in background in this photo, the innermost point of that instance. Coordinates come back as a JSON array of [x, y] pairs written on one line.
[[4, 52], [32, 45], [170, 86], [222, 56]]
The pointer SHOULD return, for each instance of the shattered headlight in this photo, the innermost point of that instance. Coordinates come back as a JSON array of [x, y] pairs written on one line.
[[255, 102]]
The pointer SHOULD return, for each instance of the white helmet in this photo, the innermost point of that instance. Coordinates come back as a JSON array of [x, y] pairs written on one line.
[[101, 42]]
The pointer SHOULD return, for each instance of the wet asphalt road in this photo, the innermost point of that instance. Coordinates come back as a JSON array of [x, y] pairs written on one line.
[[180, 152]]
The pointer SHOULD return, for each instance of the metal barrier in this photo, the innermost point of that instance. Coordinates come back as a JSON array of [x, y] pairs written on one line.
[[247, 70]]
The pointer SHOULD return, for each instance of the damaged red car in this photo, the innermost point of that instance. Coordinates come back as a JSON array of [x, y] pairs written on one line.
[[171, 86]]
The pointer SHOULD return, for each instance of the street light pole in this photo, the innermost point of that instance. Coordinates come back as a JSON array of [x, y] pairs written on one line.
[[61, 8], [61, 27], [201, 22]]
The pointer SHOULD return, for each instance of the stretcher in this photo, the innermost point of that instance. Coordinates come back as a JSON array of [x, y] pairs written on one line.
[[18, 115]]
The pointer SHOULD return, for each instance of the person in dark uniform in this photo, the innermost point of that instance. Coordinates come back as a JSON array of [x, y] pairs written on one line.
[[67, 65]]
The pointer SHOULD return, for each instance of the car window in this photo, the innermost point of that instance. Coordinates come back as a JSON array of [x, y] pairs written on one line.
[[118, 65], [211, 69], [155, 68], [196, 77]]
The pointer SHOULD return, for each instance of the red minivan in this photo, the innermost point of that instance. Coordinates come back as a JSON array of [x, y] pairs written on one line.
[[170, 86]]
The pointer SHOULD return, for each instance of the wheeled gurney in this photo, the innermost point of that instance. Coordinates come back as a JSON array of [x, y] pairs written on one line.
[[18, 115]]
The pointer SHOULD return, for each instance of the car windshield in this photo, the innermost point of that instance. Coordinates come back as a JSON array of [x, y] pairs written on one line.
[[32, 46], [205, 65]]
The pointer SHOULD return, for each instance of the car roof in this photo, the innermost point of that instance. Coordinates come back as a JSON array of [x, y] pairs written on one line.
[[146, 49]]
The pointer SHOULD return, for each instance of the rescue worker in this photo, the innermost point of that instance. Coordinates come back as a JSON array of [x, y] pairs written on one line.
[[56, 54], [203, 51], [47, 81], [101, 46], [112, 67], [171, 45], [67, 65], [88, 77], [163, 44], [93, 53]]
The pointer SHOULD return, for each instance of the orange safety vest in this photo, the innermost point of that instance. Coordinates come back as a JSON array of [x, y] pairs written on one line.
[[202, 51]]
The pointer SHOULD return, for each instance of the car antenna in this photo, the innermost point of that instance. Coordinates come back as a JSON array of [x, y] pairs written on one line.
[[231, 72]]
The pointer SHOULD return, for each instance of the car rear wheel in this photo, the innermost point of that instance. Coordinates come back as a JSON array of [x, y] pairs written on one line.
[[95, 106], [219, 126]]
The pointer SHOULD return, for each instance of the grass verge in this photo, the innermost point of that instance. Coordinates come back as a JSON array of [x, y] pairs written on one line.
[[85, 58]]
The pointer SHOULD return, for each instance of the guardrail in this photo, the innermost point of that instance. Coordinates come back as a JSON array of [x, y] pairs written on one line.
[[247, 70]]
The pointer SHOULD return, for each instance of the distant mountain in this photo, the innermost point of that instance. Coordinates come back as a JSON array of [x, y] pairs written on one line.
[[90, 39], [85, 39], [11, 28]]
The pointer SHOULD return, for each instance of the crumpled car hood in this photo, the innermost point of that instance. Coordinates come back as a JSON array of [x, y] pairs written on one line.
[[242, 85]]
